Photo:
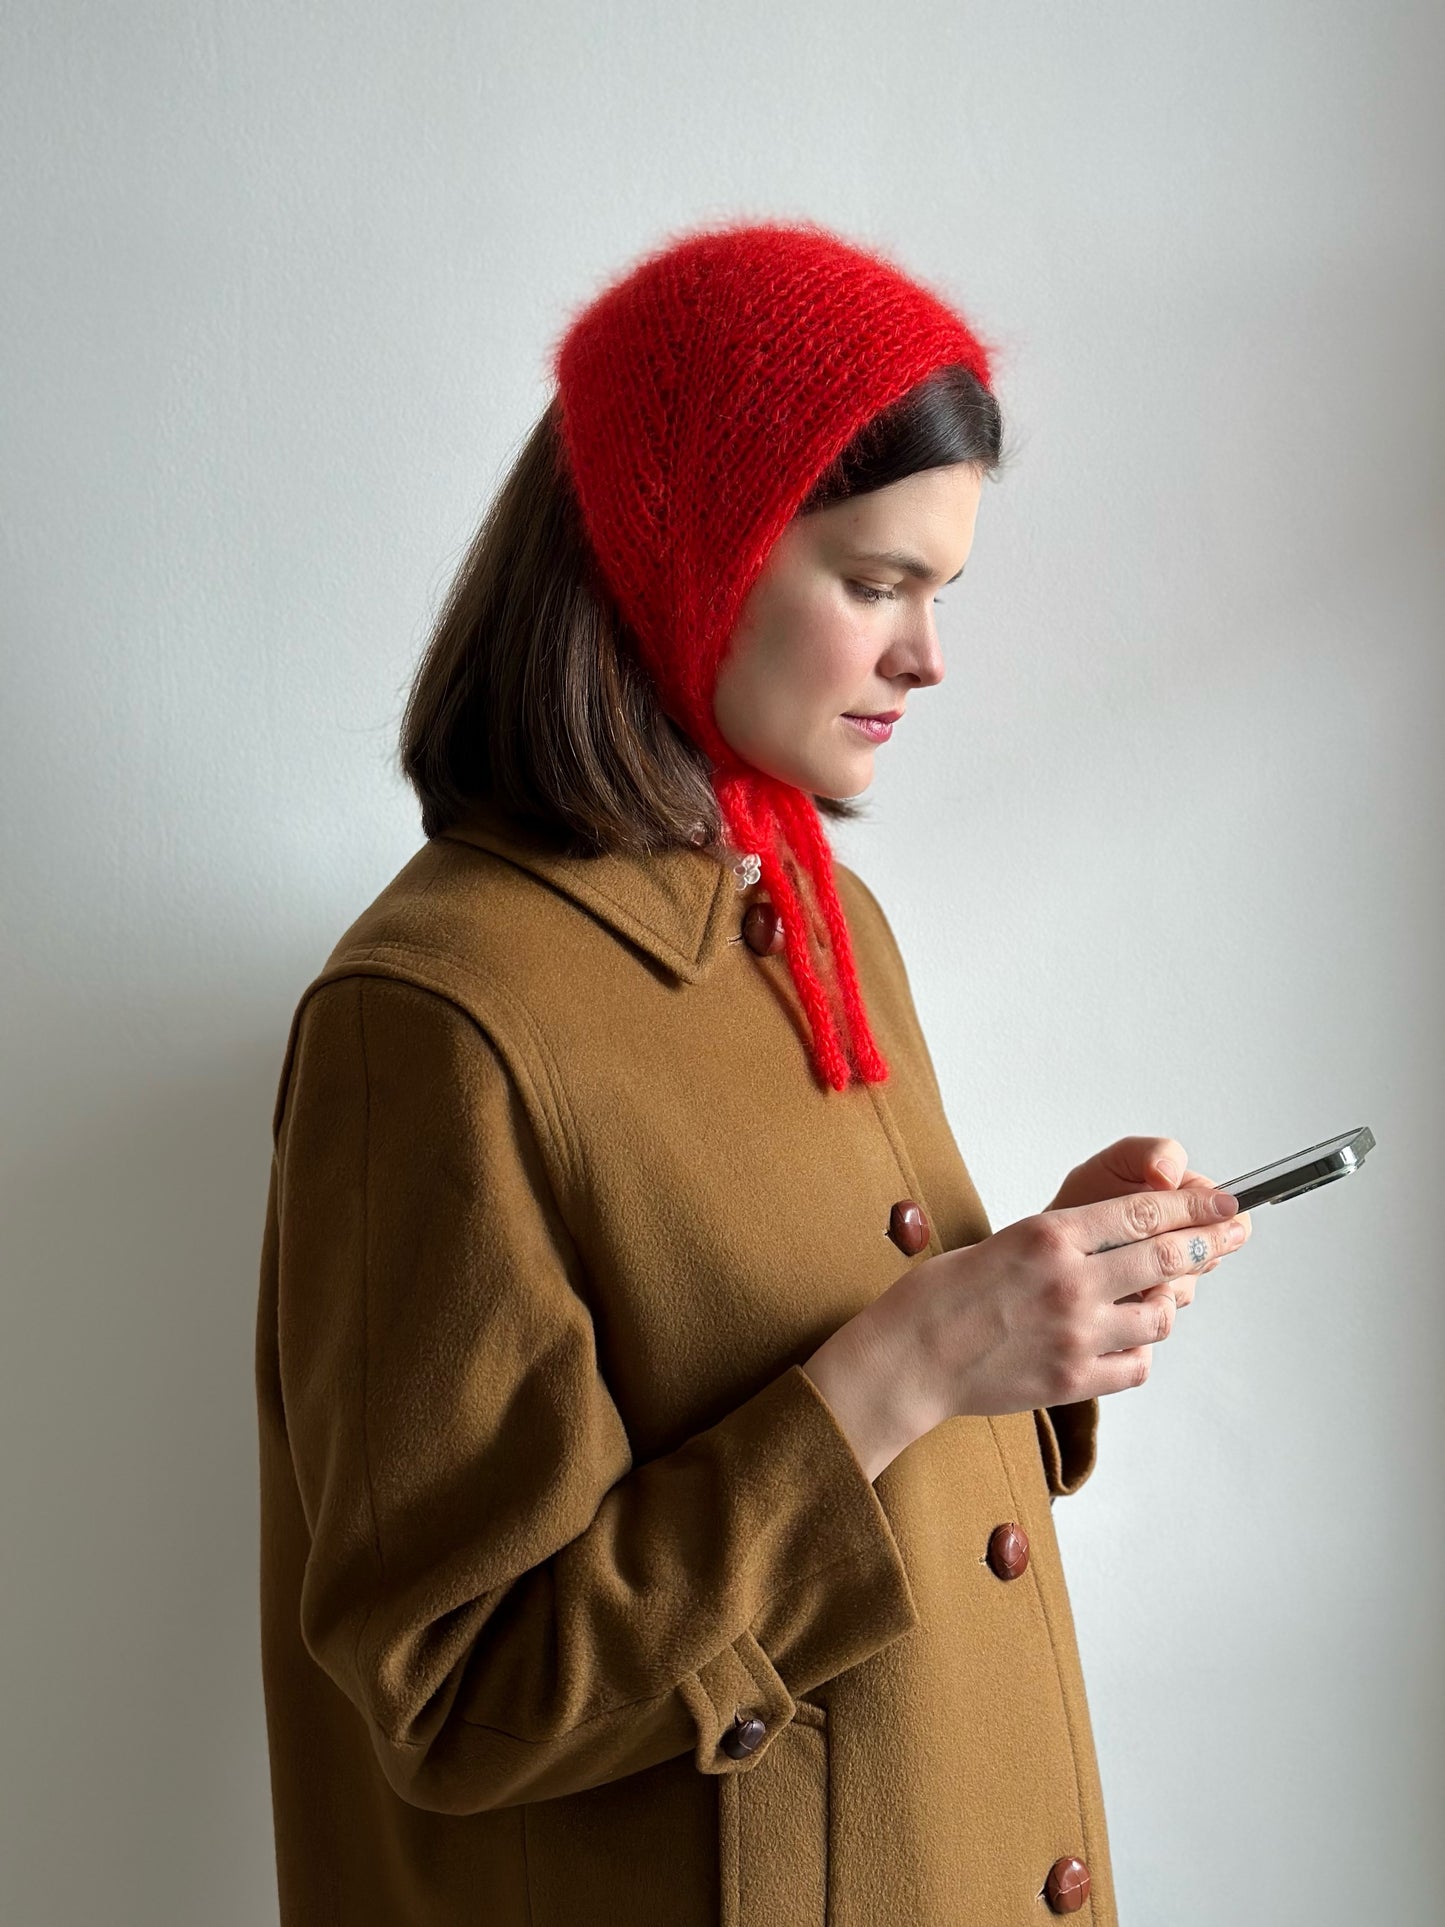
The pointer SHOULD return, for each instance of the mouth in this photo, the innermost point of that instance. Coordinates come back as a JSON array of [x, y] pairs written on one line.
[[876, 728]]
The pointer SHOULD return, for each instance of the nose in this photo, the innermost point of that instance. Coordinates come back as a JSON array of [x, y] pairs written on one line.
[[920, 653]]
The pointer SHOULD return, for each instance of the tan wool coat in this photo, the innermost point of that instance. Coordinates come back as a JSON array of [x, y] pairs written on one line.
[[554, 1525]]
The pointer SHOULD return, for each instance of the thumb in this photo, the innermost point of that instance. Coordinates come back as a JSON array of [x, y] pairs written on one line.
[[1159, 1162]]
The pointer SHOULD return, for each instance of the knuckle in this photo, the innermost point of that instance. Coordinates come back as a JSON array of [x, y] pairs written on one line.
[[1142, 1214], [1063, 1292], [1071, 1377], [1170, 1256], [1042, 1238], [1073, 1348], [1163, 1320], [1143, 1359]]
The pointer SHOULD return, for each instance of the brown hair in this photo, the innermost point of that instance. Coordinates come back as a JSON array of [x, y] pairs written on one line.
[[530, 692]]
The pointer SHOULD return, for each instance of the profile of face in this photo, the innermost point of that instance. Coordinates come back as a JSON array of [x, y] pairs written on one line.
[[840, 624]]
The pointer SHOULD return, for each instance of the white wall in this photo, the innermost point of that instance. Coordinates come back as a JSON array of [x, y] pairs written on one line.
[[1162, 850]]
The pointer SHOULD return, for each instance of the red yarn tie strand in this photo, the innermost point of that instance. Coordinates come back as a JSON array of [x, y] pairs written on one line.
[[800, 813], [751, 814], [762, 815]]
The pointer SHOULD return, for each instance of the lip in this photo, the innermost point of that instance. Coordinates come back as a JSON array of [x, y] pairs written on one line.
[[873, 727]]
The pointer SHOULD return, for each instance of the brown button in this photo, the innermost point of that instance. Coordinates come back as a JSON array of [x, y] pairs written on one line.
[[908, 1226], [745, 1737], [1067, 1887], [1008, 1553], [763, 929]]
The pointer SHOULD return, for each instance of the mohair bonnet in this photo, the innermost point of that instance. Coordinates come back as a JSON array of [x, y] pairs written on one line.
[[702, 394]]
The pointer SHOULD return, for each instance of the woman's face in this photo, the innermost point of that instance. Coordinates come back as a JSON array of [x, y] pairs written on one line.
[[830, 630]]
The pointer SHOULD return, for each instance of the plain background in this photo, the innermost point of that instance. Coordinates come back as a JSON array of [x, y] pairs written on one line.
[[1162, 850]]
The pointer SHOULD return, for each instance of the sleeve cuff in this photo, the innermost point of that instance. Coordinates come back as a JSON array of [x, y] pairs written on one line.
[[851, 1604], [1068, 1440]]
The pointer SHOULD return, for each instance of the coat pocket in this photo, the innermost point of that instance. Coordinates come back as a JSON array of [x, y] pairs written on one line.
[[774, 1830]]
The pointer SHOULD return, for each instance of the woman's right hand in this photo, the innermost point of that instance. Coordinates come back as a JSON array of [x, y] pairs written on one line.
[[1039, 1313]]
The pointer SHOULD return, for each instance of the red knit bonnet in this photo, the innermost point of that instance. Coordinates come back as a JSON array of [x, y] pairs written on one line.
[[702, 395]]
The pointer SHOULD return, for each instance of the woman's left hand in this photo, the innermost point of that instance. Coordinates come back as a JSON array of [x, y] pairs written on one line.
[[1140, 1164]]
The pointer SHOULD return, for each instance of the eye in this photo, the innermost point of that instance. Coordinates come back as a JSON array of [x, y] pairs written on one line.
[[865, 592]]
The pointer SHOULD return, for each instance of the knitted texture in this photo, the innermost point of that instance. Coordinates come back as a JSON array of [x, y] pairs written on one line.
[[701, 396]]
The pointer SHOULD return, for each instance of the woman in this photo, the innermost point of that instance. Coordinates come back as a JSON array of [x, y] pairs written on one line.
[[657, 1445]]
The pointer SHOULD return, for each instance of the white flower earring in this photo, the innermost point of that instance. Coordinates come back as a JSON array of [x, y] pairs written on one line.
[[748, 871]]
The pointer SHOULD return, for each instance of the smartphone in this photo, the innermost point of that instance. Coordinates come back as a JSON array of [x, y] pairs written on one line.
[[1306, 1171]]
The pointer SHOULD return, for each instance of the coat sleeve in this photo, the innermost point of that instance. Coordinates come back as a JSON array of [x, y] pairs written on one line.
[[1068, 1434], [1068, 1439], [515, 1608]]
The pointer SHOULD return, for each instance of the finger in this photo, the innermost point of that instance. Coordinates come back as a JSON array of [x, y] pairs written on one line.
[[1136, 1323], [1196, 1181], [1143, 1214], [1121, 1371], [1172, 1255], [1243, 1219], [1163, 1160], [1180, 1287]]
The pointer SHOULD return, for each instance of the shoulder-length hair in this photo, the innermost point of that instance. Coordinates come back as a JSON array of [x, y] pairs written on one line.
[[530, 694]]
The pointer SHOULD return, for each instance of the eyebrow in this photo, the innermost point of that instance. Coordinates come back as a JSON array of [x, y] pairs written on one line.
[[899, 559]]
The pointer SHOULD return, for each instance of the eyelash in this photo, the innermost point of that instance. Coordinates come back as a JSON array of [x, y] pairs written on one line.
[[866, 593]]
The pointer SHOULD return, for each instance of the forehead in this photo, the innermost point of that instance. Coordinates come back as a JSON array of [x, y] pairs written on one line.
[[926, 516]]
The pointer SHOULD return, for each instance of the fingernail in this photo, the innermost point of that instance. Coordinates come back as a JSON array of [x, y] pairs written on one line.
[[1167, 1169], [1225, 1204]]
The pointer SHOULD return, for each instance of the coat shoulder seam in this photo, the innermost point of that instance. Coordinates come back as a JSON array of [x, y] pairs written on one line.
[[534, 1068]]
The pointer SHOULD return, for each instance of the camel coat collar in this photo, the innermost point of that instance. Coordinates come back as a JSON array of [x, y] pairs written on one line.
[[680, 906]]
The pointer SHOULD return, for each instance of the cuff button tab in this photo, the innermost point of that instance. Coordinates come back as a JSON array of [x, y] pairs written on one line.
[[742, 1738]]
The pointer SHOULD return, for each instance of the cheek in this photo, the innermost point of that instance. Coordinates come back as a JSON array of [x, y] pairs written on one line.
[[826, 644]]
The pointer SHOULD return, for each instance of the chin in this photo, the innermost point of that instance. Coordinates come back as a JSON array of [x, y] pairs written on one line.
[[833, 776], [840, 788]]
